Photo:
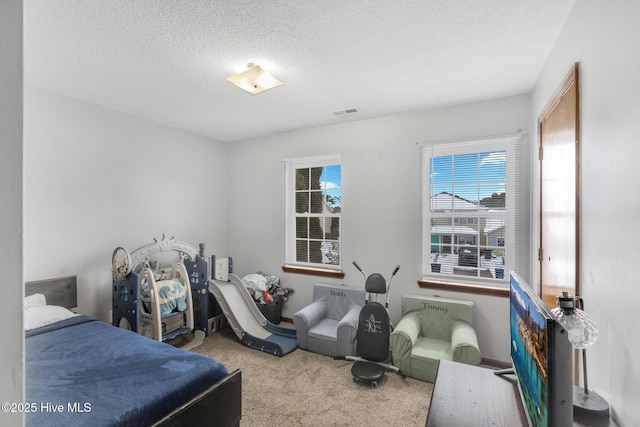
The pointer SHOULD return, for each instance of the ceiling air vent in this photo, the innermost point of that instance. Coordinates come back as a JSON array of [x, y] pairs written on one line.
[[345, 112]]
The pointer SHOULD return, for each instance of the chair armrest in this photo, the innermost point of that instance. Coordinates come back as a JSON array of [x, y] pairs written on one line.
[[307, 318], [402, 339], [350, 320], [464, 343], [347, 330]]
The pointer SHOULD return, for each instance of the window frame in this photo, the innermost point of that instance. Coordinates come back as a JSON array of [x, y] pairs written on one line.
[[291, 263], [516, 212]]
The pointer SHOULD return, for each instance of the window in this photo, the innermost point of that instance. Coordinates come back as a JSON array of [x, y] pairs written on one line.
[[475, 210], [314, 206]]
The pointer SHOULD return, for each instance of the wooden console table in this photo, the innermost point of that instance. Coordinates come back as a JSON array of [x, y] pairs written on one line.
[[466, 395]]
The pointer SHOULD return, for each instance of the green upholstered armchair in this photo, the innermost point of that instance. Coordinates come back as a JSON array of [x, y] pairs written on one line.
[[433, 328]]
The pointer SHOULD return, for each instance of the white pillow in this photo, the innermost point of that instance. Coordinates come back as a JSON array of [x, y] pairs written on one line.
[[34, 300], [43, 315]]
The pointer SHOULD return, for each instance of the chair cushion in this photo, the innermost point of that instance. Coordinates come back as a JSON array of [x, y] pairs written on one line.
[[322, 338], [425, 357], [326, 329], [430, 348]]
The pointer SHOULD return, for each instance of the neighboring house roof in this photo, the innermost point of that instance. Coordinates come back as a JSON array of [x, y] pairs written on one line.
[[493, 224], [456, 229], [446, 201]]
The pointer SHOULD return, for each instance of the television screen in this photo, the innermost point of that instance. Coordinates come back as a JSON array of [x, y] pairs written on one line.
[[541, 357]]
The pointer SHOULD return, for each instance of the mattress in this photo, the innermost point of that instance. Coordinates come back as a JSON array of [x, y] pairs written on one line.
[[84, 372]]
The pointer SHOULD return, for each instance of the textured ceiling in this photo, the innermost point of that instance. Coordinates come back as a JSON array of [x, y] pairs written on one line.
[[167, 60]]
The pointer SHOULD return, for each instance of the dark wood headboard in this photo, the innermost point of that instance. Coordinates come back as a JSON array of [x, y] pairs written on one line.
[[62, 291]]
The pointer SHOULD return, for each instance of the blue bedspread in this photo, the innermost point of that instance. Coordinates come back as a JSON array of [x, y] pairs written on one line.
[[84, 372]]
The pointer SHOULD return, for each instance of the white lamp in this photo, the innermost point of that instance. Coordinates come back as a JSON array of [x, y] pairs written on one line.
[[254, 80], [583, 332]]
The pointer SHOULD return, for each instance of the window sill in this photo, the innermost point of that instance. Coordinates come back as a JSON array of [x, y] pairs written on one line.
[[313, 271], [464, 287]]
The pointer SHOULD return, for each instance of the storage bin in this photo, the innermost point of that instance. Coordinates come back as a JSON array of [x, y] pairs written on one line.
[[272, 311]]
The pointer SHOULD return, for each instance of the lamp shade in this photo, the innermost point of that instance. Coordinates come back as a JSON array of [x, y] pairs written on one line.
[[581, 329]]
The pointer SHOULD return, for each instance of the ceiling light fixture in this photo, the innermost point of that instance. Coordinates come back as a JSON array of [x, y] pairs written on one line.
[[254, 80]]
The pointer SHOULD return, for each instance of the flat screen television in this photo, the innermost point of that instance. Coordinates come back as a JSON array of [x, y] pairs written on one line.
[[541, 358]]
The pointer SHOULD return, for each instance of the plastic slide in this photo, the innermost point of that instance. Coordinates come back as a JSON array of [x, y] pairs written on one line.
[[246, 320]]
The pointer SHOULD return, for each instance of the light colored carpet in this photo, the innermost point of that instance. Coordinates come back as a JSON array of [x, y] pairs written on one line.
[[308, 389]]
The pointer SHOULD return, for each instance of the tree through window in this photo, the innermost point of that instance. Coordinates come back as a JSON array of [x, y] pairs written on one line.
[[314, 206]]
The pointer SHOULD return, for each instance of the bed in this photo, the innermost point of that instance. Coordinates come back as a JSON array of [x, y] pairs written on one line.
[[81, 371]]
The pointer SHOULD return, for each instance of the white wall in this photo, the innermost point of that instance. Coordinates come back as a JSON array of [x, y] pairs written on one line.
[[12, 348], [381, 185], [601, 37], [96, 179]]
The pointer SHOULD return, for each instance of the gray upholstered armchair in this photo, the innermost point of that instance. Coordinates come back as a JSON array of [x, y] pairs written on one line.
[[328, 325], [433, 328]]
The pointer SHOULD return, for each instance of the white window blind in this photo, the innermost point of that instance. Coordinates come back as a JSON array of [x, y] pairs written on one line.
[[475, 207], [313, 211]]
